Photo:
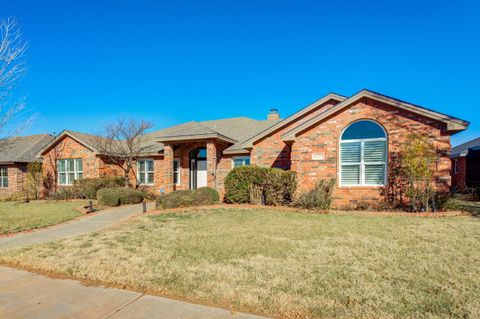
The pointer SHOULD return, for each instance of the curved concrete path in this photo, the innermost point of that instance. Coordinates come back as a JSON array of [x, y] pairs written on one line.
[[84, 225]]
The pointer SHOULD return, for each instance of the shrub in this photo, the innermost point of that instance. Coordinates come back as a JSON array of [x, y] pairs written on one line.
[[319, 198], [206, 196], [33, 180], [260, 185], [279, 186], [66, 193], [88, 187], [187, 198], [116, 196], [239, 180]]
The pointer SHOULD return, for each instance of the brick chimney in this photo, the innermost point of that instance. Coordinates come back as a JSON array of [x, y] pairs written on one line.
[[273, 115]]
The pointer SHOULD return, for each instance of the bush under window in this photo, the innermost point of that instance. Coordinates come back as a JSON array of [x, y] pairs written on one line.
[[116, 196], [187, 198]]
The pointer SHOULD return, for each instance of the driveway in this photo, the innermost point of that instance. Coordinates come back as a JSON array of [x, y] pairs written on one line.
[[27, 295], [88, 224]]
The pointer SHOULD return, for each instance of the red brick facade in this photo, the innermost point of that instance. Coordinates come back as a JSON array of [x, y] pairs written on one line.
[[459, 175], [16, 176], [321, 138], [324, 139]]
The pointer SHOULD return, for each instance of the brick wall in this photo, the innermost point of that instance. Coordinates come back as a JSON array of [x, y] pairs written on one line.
[[16, 178], [324, 137], [459, 178], [271, 151]]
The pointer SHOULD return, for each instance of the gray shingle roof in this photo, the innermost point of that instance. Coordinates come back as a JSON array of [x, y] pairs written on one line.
[[237, 129], [23, 149], [462, 149]]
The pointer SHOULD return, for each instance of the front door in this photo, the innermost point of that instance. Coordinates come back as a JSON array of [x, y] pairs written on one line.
[[198, 168], [201, 173]]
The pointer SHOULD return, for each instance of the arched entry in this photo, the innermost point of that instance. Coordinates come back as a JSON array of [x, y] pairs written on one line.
[[198, 168]]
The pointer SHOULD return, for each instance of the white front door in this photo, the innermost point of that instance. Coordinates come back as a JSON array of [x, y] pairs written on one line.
[[201, 173]]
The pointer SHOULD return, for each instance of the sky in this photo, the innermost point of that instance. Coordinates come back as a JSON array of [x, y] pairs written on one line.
[[91, 62]]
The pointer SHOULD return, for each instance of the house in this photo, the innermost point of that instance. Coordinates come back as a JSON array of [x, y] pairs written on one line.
[[74, 155], [466, 164], [15, 154], [351, 139]]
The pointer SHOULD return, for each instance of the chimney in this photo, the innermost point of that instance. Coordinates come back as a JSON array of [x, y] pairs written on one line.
[[273, 115]]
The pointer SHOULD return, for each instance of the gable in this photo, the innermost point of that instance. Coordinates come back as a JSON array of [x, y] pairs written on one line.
[[297, 118], [452, 124], [67, 143]]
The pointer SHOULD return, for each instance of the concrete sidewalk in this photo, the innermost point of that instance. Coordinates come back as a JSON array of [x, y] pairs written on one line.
[[88, 224], [27, 295]]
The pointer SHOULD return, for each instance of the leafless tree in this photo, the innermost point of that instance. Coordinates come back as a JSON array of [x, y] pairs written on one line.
[[12, 70], [123, 142]]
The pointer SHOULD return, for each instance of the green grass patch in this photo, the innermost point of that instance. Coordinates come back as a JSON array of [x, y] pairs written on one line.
[[16, 216], [284, 264]]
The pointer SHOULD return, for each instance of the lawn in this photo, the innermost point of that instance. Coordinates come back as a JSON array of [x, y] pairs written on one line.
[[15, 216], [283, 264]]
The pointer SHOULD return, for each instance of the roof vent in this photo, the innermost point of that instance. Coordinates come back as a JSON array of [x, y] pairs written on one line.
[[273, 115]]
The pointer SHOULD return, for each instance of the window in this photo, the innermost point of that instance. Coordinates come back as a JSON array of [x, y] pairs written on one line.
[[3, 176], [176, 171], [241, 161], [145, 172], [455, 166], [363, 155], [69, 170]]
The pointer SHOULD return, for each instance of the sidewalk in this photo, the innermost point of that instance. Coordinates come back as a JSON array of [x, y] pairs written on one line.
[[27, 295], [88, 224]]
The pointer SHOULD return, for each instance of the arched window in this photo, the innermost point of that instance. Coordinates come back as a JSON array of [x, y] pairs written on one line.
[[363, 155]]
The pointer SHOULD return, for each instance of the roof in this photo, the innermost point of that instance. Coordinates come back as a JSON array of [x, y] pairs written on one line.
[[90, 141], [462, 149], [453, 124], [272, 128], [232, 130], [22, 149]]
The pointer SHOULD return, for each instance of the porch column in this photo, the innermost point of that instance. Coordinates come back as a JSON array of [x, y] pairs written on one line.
[[167, 168], [211, 164]]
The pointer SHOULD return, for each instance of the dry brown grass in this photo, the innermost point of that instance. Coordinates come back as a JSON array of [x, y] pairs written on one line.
[[283, 264]]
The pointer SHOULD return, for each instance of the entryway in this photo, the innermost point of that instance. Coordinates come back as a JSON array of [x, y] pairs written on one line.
[[198, 168]]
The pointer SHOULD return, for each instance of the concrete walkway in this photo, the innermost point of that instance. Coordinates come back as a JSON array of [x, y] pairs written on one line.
[[27, 295], [88, 224]]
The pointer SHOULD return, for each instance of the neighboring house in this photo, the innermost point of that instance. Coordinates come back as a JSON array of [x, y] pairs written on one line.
[[466, 164], [350, 139], [15, 154], [73, 155]]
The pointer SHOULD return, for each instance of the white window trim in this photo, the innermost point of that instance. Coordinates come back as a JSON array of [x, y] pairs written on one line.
[[76, 172], [455, 166], [146, 172], [362, 163], [240, 156], [3, 176], [177, 160]]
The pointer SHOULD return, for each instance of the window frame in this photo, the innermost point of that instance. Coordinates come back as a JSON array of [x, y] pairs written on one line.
[[362, 163], [243, 157], [4, 177], [146, 172], [179, 172], [76, 172]]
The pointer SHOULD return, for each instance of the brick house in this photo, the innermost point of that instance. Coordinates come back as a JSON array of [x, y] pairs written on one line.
[[466, 164], [15, 154], [351, 139]]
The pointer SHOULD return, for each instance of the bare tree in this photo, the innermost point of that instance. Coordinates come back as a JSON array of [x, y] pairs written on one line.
[[123, 142], [12, 70]]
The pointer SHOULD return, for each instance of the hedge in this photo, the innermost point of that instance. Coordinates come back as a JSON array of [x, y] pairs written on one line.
[[260, 185], [186, 198], [88, 187], [116, 196]]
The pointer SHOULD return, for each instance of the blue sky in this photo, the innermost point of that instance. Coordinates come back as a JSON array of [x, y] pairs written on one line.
[[175, 61]]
